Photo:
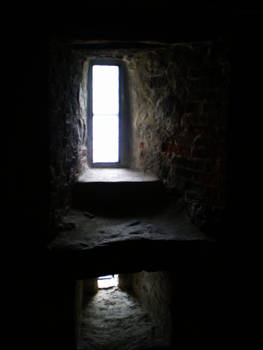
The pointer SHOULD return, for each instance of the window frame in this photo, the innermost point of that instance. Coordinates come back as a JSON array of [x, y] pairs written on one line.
[[123, 117]]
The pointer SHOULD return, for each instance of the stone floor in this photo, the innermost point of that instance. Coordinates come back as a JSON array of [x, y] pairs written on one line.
[[113, 320]]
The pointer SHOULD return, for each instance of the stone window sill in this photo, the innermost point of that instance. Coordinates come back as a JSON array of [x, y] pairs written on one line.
[[116, 175]]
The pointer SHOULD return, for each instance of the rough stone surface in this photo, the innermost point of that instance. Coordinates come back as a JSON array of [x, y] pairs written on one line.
[[180, 108], [87, 233], [108, 245], [66, 131], [114, 319], [153, 290]]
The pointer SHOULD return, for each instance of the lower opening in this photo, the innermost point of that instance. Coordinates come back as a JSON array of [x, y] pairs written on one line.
[[108, 281], [126, 311]]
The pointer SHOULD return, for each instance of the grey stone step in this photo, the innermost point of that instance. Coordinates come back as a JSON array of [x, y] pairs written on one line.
[[112, 189]]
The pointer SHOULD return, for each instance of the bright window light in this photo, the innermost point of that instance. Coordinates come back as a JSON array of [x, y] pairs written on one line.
[[108, 281], [105, 139], [105, 113]]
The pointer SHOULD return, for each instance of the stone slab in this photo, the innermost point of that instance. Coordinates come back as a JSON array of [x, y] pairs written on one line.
[[95, 245]]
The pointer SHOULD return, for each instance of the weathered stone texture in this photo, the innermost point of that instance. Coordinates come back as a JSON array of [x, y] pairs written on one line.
[[153, 290], [65, 121], [180, 105]]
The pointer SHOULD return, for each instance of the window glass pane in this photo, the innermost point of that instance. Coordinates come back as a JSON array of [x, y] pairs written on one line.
[[105, 139], [105, 88]]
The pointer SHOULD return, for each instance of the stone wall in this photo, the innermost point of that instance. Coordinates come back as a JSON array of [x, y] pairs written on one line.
[[153, 291], [180, 100], [90, 287], [65, 123]]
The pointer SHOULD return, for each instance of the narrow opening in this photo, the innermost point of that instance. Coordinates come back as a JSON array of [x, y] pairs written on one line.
[[133, 315], [105, 114], [108, 281]]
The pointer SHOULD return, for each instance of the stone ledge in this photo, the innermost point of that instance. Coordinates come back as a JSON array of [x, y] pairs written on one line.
[[114, 190], [115, 175], [100, 245]]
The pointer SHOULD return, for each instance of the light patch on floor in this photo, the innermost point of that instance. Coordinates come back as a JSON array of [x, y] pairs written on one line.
[[114, 319]]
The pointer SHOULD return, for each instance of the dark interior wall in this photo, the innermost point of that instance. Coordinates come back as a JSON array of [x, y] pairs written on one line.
[[198, 309], [57, 314], [78, 307], [65, 126]]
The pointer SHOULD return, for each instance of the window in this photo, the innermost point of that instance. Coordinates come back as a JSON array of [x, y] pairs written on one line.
[[108, 281], [107, 139]]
